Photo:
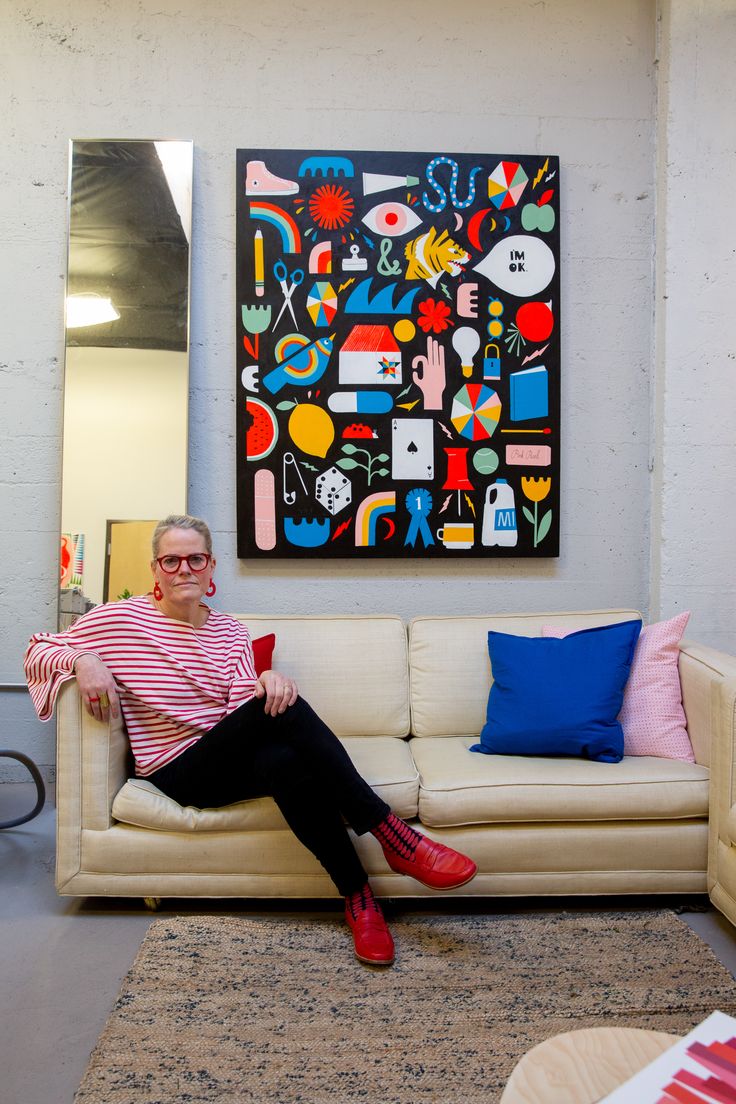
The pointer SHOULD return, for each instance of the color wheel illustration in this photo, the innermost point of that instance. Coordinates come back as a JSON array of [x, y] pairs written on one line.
[[322, 303], [505, 184], [476, 410]]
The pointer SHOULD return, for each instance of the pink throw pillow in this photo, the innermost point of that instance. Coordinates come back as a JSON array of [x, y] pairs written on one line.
[[652, 716]]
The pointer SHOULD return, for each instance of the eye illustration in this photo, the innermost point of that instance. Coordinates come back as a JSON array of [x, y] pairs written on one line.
[[391, 219]]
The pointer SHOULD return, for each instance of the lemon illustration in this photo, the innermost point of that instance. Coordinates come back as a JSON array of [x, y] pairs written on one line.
[[311, 429]]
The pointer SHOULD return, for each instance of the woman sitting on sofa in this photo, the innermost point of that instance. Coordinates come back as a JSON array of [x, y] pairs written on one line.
[[183, 676]]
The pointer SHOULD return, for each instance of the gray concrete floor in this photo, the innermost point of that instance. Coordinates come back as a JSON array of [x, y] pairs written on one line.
[[62, 960]]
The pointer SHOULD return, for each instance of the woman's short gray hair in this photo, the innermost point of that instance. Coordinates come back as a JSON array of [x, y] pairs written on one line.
[[181, 521]]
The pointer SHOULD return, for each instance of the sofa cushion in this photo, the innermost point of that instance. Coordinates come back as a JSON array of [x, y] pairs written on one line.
[[451, 672], [384, 762], [559, 696], [459, 788], [329, 657]]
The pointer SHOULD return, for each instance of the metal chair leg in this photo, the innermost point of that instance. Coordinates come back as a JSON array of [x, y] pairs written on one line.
[[40, 789]]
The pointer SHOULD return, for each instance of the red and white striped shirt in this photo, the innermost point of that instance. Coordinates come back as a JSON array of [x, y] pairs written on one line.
[[175, 681]]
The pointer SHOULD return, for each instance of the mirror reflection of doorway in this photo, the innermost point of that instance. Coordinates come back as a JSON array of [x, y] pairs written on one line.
[[126, 378], [128, 559]]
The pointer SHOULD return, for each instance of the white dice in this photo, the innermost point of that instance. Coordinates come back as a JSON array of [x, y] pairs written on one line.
[[334, 490]]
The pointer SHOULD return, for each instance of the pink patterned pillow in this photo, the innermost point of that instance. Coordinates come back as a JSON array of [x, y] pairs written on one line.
[[652, 716]]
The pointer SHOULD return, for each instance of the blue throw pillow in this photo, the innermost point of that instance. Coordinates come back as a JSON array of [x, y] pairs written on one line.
[[559, 697]]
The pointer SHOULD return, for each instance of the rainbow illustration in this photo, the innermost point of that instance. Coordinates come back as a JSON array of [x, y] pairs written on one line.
[[320, 259], [291, 241], [369, 511]]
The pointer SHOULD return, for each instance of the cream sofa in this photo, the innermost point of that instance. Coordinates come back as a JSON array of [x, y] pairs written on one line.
[[408, 701]]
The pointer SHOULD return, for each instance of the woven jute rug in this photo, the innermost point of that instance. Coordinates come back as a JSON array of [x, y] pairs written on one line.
[[234, 1009]]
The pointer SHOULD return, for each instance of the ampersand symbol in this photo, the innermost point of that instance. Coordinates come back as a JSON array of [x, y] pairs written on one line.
[[383, 266]]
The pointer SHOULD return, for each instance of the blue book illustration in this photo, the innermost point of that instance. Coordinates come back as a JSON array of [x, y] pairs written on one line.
[[529, 394]]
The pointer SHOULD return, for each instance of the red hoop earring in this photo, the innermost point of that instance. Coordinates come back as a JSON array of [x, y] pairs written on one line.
[[157, 592], [211, 589]]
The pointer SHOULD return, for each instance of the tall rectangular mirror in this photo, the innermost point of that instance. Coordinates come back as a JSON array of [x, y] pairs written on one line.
[[126, 379]]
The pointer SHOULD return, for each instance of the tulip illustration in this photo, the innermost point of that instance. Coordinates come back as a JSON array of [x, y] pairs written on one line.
[[536, 490]]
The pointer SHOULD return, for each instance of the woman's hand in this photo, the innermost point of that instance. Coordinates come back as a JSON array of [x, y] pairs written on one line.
[[280, 692], [97, 687]]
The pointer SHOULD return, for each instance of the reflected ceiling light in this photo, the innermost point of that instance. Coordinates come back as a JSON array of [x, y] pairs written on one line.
[[176, 160], [89, 310]]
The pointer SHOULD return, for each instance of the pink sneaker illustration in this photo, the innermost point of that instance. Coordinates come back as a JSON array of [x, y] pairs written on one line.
[[259, 181]]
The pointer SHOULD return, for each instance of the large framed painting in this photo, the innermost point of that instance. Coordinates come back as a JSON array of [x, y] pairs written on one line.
[[398, 354]]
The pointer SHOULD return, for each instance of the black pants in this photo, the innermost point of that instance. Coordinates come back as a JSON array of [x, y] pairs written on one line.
[[297, 760]]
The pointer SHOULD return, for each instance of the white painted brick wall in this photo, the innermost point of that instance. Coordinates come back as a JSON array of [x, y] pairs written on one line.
[[694, 493], [566, 76]]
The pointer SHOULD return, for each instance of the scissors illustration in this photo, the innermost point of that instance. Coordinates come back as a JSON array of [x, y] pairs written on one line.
[[279, 271]]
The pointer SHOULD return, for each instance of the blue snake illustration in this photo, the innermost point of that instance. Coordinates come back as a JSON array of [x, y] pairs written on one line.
[[453, 185]]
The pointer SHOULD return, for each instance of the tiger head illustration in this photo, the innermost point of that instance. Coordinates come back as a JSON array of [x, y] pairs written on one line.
[[430, 255]]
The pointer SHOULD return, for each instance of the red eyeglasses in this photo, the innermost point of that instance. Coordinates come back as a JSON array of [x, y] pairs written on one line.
[[197, 562]]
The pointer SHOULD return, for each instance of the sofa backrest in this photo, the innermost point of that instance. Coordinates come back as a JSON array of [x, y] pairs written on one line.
[[450, 672], [352, 670]]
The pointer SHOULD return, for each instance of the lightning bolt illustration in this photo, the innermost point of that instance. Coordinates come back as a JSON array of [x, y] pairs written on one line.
[[445, 504], [550, 176], [540, 174], [534, 355], [341, 529], [445, 430], [346, 285], [470, 504], [408, 406], [445, 291]]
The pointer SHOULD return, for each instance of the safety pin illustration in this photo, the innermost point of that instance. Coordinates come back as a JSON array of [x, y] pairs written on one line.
[[290, 462]]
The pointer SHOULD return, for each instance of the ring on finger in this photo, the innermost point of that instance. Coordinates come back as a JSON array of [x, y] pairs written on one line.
[[94, 699], [104, 700]]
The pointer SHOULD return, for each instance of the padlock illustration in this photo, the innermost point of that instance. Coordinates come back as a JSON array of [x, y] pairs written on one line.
[[491, 364]]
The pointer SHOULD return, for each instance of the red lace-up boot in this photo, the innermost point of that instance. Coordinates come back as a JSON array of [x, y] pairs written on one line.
[[373, 942], [431, 863]]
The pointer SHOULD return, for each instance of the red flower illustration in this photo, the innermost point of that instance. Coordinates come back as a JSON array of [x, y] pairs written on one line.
[[434, 316]]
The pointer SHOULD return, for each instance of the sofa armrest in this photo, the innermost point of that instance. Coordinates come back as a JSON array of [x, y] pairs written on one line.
[[722, 779], [92, 761], [709, 695], [702, 672]]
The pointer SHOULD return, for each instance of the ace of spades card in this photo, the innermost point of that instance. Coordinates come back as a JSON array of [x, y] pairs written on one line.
[[412, 449]]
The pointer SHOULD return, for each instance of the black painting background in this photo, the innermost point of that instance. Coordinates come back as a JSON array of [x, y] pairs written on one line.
[[285, 163]]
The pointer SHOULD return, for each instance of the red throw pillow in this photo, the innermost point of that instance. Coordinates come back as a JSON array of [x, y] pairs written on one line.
[[263, 647]]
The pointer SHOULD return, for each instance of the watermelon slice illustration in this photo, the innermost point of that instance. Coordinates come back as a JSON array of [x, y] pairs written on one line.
[[262, 432]]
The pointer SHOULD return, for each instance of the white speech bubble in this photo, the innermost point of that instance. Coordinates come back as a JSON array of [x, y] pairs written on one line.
[[522, 265]]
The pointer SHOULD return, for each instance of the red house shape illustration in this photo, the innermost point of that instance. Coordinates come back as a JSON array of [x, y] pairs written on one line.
[[370, 355]]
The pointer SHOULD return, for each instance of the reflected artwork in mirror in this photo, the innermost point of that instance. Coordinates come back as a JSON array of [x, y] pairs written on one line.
[[126, 379]]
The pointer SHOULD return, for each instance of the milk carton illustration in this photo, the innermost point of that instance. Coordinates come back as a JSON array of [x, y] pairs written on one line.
[[499, 516]]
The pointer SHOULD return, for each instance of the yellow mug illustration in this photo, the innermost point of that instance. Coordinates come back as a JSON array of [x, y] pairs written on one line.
[[457, 534]]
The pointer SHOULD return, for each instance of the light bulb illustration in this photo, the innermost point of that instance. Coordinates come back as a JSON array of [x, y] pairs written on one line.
[[466, 343]]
